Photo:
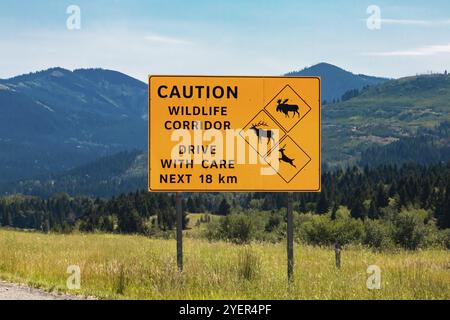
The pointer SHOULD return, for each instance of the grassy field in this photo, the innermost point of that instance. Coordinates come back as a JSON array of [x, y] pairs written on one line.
[[136, 267]]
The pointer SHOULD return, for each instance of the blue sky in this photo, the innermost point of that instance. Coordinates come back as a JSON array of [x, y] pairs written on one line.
[[225, 37]]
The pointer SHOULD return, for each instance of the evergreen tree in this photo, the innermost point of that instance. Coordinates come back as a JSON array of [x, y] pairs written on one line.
[[373, 211], [382, 199], [191, 206], [224, 208], [130, 222], [323, 204], [358, 210]]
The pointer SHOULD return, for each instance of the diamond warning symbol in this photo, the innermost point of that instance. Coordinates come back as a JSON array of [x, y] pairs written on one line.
[[287, 108], [292, 159], [262, 133]]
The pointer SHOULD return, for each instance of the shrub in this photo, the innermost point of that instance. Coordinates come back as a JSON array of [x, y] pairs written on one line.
[[322, 230], [120, 280], [411, 231], [446, 236], [348, 230], [315, 229], [273, 222], [213, 231], [343, 213], [378, 234], [237, 228], [249, 264]]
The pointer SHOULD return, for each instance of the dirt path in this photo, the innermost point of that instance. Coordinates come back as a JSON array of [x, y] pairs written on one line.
[[10, 291]]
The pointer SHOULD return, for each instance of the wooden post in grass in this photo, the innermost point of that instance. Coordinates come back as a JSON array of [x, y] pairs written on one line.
[[337, 251], [290, 239], [179, 231]]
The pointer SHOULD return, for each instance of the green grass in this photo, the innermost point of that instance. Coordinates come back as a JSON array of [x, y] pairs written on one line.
[[195, 230], [136, 267]]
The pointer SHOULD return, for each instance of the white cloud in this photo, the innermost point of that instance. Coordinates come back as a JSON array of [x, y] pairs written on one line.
[[421, 51]]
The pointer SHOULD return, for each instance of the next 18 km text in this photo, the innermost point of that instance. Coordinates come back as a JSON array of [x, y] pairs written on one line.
[[203, 178]]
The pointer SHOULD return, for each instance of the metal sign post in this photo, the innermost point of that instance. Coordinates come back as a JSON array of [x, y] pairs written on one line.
[[290, 239], [179, 231]]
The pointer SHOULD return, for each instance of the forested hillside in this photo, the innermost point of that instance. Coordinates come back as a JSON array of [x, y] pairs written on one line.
[[427, 147], [383, 114], [122, 172]]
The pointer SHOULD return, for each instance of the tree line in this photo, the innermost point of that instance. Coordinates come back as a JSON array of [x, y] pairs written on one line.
[[367, 193]]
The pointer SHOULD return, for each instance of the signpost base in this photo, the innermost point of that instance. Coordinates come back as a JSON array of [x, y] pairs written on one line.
[[179, 231], [290, 239]]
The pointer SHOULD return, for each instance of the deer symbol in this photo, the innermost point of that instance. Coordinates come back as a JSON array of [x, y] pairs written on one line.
[[286, 108], [261, 133], [285, 158]]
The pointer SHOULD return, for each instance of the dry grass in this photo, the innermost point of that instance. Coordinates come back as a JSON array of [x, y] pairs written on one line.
[[136, 267]]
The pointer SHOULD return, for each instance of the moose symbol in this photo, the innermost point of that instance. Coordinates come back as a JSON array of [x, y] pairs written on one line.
[[286, 108], [285, 158], [261, 133]]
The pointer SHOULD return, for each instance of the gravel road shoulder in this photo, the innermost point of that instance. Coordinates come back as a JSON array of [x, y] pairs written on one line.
[[11, 291]]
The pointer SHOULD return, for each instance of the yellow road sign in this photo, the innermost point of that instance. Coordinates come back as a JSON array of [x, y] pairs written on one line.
[[218, 133]]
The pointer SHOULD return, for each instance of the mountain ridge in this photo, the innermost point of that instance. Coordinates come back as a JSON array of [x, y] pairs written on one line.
[[337, 81]]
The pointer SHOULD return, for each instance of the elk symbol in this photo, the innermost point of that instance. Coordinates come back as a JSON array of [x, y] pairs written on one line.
[[286, 108], [261, 133], [285, 158]]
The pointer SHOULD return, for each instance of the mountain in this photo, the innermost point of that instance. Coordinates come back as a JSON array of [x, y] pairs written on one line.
[[57, 119], [399, 112], [337, 81]]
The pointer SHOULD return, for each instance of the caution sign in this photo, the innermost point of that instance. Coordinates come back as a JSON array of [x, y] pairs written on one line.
[[211, 133]]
